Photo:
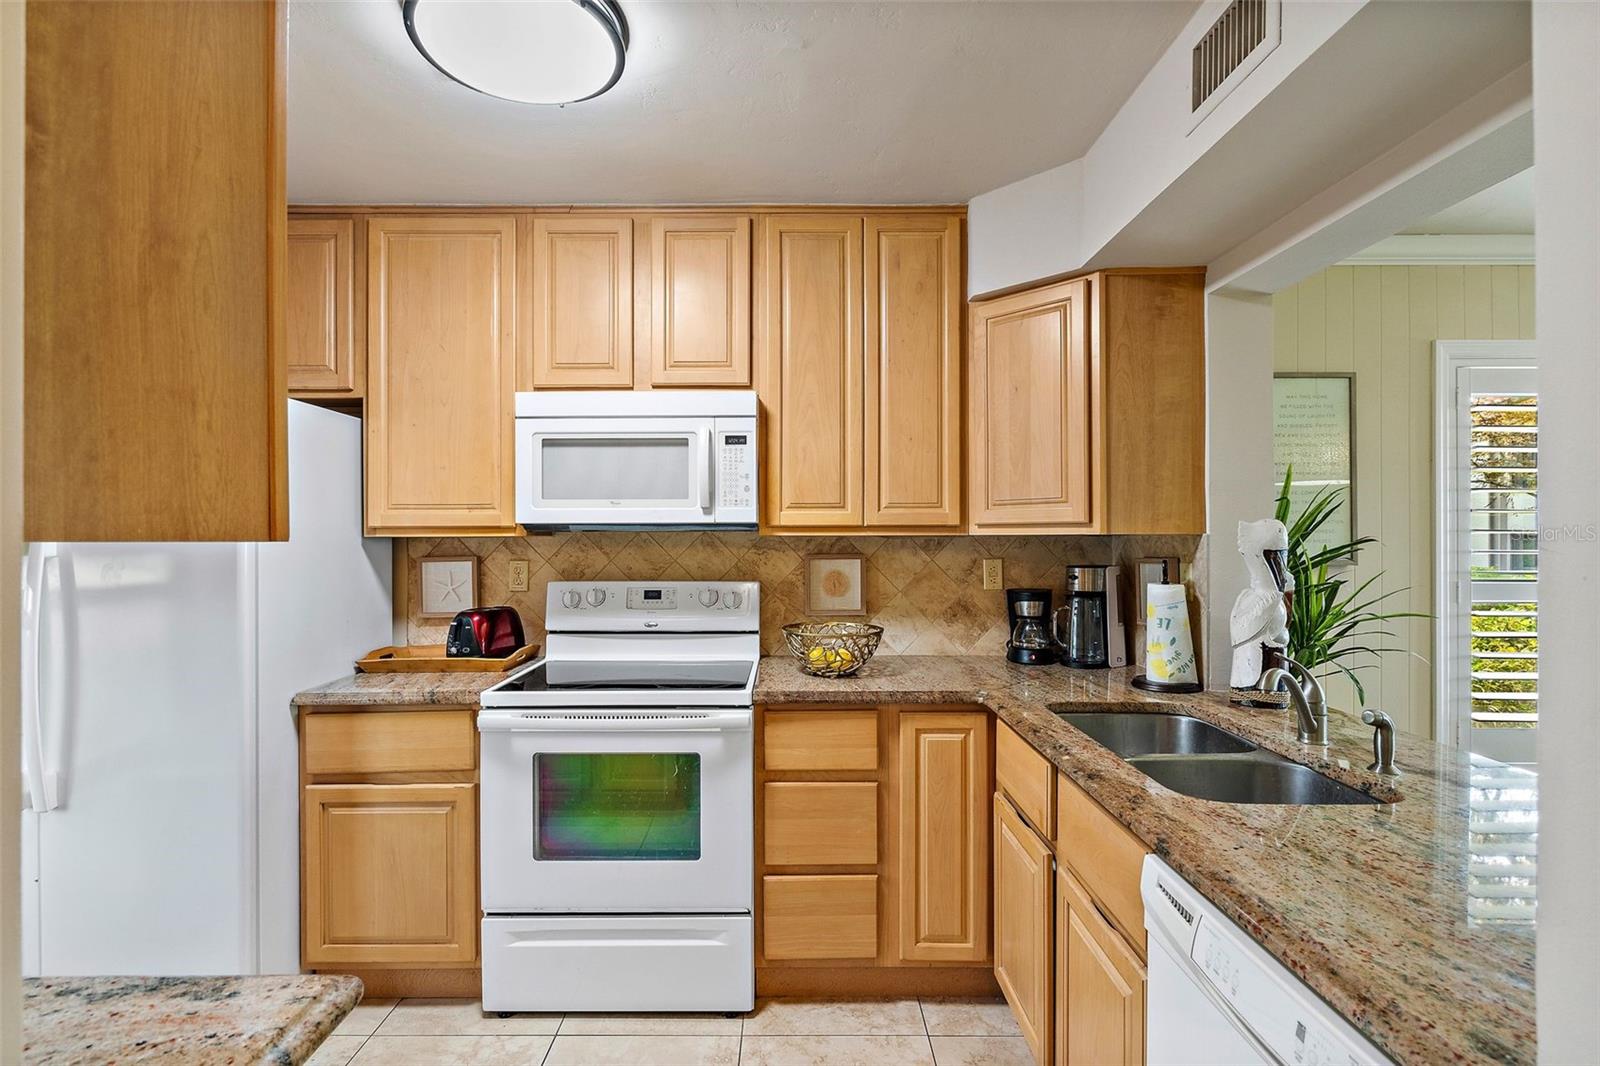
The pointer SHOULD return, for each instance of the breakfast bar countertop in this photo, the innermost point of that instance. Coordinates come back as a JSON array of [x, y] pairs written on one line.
[[278, 1020], [1370, 905]]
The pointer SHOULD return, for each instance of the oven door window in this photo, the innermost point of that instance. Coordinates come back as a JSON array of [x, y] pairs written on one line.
[[616, 806]]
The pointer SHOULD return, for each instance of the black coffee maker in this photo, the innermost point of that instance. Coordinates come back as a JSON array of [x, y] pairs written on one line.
[[1029, 613]]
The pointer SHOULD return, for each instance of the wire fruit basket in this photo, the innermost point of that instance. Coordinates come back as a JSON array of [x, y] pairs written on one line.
[[832, 649]]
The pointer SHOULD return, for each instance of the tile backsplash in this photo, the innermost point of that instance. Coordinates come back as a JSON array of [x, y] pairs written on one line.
[[927, 592]]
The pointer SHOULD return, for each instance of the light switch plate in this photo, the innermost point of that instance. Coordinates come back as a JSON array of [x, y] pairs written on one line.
[[992, 577], [517, 575]]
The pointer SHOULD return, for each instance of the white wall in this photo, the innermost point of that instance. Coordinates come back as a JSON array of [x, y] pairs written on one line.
[[1027, 230], [1239, 452], [1566, 93]]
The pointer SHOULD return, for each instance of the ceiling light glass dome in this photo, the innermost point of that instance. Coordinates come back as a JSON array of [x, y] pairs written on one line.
[[530, 51]]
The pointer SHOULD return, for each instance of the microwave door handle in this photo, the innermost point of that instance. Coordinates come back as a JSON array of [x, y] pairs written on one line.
[[710, 471]]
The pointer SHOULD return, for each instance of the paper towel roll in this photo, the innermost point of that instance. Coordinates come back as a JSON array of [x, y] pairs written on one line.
[[1168, 644]]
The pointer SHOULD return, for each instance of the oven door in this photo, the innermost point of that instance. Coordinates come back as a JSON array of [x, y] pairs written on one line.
[[637, 471], [599, 811]]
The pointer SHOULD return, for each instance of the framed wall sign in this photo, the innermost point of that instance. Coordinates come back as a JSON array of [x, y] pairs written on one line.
[[1314, 428], [449, 584], [834, 586]]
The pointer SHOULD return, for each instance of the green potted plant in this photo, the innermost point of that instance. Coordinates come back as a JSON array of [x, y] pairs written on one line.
[[1332, 623]]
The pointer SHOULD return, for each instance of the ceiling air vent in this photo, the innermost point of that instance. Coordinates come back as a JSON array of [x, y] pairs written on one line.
[[1226, 53]]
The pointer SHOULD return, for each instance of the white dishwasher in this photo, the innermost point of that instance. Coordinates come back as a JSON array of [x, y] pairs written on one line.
[[1216, 998]]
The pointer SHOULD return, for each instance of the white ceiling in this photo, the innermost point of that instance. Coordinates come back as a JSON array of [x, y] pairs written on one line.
[[1503, 208], [732, 101]]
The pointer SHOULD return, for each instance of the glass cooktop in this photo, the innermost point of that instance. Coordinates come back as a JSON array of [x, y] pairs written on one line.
[[560, 676]]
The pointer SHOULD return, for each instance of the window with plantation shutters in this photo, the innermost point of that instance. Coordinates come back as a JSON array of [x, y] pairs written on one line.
[[1503, 536], [1488, 548]]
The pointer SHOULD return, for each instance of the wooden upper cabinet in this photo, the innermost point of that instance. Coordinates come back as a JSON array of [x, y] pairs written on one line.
[[812, 345], [913, 370], [440, 398], [1101, 982], [700, 300], [1087, 405], [323, 356], [581, 313], [154, 252], [1033, 410], [944, 836]]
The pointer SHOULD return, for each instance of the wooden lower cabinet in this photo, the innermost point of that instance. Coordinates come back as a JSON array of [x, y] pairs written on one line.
[[1023, 909], [389, 842], [943, 838], [1100, 984], [391, 874], [872, 849]]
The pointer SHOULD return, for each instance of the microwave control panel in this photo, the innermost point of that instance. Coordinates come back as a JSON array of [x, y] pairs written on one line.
[[736, 469]]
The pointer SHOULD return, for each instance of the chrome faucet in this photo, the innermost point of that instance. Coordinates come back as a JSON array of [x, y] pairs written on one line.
[[1382, 742], [1305, 694]]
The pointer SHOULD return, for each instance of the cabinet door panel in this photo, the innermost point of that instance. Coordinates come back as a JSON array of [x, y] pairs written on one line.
[[440, 397], [1102, 985], [321, 307], [153, 237], [582, 302], [1032, 409], [700, 300], [913, 371], [944, 836], [1023, 908], [390, 874], [812, 338]]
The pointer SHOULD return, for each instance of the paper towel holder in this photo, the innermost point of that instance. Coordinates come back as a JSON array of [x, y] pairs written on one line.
[[1141, 681]]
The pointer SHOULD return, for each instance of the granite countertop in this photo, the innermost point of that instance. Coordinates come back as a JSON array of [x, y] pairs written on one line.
[[453, 689], [215, 1020], [1369, 905]]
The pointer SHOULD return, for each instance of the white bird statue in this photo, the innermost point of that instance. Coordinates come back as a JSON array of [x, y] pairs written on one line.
[[1260, 618]]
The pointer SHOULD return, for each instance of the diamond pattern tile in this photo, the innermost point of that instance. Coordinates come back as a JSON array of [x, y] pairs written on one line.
[[927, 592]]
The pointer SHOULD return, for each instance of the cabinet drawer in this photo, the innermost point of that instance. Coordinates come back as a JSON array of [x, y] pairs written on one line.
[[1027, 779], [820, 823], [355, 742], [1106, 859], [821, 740], [820, 917]]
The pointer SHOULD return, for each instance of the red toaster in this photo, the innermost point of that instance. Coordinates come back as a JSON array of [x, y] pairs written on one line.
[[484, 632]]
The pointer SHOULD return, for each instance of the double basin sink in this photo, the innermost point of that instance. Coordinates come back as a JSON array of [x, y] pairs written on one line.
[[1196, 758]]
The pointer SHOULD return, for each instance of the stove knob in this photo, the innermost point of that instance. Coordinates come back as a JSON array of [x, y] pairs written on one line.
[[733, 600], [571, 599], [597, 596], [708, 597]]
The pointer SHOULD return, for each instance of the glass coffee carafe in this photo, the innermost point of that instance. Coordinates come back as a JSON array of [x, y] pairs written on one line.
[[1030, 632], [1083, 639]]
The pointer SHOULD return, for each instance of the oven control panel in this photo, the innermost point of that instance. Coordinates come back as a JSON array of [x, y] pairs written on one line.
[[622, 606]]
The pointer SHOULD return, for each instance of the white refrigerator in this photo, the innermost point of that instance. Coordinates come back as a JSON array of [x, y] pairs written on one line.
[[160, 816]]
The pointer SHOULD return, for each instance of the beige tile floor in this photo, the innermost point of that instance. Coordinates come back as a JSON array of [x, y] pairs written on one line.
[[779, 1032]]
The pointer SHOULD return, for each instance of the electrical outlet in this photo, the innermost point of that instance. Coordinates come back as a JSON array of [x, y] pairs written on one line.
[[992, 578], [517, 575]]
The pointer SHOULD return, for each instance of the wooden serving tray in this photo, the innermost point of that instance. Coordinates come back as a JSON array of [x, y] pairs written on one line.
[[430, 658]]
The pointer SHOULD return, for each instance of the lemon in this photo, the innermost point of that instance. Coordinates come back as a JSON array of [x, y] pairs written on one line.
[[842, 657], [817, 655]]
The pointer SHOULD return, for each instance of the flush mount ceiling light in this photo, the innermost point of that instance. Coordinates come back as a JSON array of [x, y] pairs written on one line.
[[529, 51]]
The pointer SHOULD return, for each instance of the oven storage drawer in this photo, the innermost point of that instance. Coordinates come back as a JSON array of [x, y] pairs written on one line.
[[701, 962]]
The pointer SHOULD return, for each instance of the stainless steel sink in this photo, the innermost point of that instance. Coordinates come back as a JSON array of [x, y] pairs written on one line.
[[1256, 778], [1134, 733]]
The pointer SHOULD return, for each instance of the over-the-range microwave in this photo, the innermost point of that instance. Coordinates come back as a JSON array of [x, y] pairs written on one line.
[[678, 459]]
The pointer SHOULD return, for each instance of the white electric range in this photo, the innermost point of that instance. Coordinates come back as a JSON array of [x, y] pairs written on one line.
[[617, 809]]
